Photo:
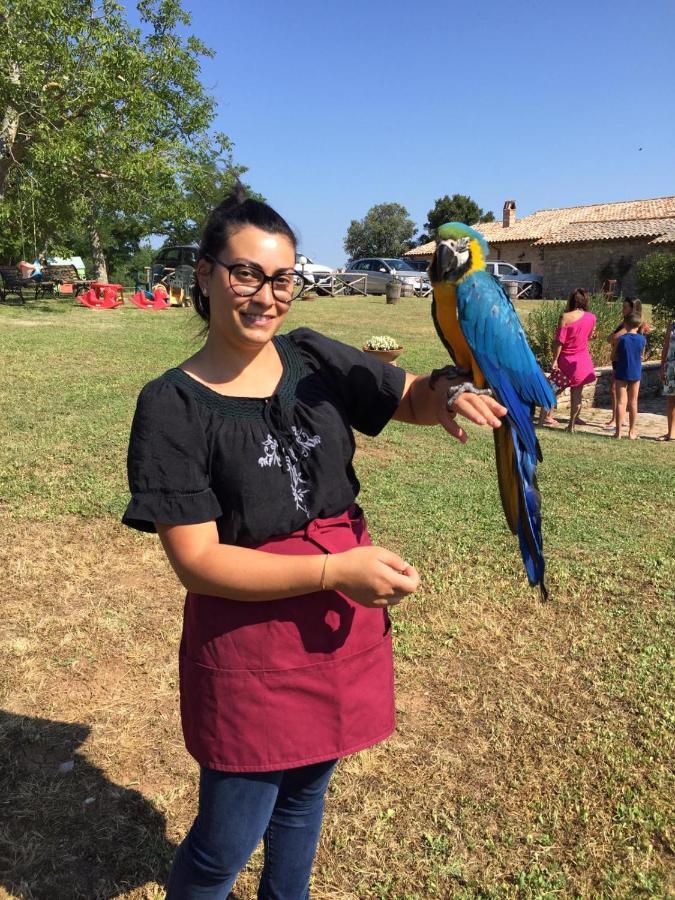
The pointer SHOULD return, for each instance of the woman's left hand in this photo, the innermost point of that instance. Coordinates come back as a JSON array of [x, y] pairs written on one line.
[[481, 409]]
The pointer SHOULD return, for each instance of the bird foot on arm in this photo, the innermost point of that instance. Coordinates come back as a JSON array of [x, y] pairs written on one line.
[[456, 390], [447, 372], [466, 387]]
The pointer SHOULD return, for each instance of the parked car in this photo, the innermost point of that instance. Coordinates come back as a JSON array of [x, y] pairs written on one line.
[[313, 272], [420, 265], [175, 263], [374, 273], [505, 271]]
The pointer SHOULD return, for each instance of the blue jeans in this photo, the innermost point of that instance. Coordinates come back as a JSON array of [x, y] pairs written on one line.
[[236, 810]]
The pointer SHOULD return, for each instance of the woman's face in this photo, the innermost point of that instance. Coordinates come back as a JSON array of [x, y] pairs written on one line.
[[627, 307], [247, 321]]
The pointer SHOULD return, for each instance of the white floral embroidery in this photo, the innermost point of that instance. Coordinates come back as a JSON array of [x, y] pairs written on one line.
[[271, 458], [304, 441], [299, 492]]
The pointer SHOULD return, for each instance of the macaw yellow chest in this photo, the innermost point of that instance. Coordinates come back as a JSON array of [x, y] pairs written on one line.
[[446, 313]]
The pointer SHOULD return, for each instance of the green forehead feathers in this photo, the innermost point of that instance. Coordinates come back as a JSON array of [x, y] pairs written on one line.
[[455, 230]]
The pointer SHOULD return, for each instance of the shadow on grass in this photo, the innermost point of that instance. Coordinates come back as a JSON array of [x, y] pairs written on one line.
[[56, 305], [46, 305], [70, 832]]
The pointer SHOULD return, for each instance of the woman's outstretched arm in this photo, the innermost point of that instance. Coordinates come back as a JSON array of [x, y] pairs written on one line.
[[421, 406], [372, 576]]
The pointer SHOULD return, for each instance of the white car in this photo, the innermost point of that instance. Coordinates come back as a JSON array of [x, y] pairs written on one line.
[[372, 274], [505, 271], [313, 272]]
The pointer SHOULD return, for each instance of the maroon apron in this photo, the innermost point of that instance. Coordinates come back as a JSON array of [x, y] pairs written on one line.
[[285, 683]]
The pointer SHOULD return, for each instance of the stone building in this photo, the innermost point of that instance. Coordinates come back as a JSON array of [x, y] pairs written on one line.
[[580, 246]]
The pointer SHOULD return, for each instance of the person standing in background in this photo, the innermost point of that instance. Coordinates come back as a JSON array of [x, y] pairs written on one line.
[[627, 354], [668, 380], [630, 305], [570, 352]]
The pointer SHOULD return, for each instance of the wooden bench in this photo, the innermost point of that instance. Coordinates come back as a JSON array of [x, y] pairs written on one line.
[[13, 283], [65, 275]]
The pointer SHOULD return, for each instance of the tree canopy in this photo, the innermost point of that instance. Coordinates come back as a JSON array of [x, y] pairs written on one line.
[[656, 284], [458, 208], [105, 127], [385, 230]]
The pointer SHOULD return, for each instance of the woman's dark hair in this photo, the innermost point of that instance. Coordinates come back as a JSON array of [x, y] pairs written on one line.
[[235, 212], [635, 305], [578, 299]]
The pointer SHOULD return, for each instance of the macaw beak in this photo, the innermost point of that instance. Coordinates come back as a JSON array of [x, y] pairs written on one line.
[[443, 264]]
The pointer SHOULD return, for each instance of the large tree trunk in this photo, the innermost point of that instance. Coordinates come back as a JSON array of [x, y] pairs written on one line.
[[10, 152], [100, 267]]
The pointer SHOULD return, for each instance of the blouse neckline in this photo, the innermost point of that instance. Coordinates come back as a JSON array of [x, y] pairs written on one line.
[[248, 407]]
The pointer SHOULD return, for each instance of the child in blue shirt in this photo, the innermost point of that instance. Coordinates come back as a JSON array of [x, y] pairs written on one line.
[[627, 352]]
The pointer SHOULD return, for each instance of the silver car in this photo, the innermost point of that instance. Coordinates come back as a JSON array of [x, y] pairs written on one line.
[[372, 274]]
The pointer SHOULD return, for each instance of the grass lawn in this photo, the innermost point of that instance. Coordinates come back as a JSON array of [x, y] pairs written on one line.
[[534, 745]]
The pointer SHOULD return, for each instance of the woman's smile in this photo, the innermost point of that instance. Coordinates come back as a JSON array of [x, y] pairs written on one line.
[[257, 318]]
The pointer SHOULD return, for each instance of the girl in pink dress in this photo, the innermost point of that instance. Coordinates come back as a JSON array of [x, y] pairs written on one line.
[[570, 350]]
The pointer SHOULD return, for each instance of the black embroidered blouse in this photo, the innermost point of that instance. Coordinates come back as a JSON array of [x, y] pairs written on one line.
[[259, 467]]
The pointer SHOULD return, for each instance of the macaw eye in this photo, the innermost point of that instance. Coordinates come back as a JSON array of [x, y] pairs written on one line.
[[462, 244]]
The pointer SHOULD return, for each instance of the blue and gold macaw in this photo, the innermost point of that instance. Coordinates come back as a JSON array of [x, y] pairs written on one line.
[[479, 327]]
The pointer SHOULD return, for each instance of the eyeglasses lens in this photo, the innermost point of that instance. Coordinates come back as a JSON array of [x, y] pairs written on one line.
[[247, 281]]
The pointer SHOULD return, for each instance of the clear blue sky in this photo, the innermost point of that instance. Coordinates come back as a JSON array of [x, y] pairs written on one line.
[[335, 107]]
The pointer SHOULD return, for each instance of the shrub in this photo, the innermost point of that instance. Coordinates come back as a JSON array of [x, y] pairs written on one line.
[[655, 275], [542, 323]]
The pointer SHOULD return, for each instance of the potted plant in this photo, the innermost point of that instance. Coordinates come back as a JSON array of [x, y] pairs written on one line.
[[384, 347]]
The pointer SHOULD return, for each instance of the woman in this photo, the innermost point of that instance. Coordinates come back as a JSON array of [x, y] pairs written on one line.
[[28, 271], [570, 352], [667, 374], [631, 305], [241, 460]]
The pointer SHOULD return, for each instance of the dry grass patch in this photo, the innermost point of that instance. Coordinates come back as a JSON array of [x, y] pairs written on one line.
[[504, 779]]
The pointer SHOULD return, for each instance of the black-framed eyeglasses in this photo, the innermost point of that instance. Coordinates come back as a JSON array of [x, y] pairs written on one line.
[[247, 279]]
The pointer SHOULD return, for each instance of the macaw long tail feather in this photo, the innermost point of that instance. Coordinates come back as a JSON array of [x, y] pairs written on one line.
[[517, 478], [505, 457]]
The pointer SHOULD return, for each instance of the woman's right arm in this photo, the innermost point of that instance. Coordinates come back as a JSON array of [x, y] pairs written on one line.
[[371, 576], [664, 351], [557, 343]]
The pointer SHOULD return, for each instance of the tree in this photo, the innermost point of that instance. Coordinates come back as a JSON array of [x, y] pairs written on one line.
[[655, 276], [210, 177], [458, 208], [385, 230], [102, 124]]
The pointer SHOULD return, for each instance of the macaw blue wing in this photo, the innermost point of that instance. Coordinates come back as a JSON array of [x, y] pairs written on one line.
[[493, 331], [495, 336]]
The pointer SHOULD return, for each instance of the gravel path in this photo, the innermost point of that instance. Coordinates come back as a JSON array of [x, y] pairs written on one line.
[[651, 423]]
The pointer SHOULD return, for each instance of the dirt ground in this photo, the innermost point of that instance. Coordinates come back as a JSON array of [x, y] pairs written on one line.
[[651, 422]]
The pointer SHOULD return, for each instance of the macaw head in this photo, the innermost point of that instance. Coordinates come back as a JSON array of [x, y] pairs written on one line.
[[459, 250]]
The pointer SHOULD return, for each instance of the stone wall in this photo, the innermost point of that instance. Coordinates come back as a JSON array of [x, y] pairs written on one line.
[[598, 393], [517, 253], [569, 266]]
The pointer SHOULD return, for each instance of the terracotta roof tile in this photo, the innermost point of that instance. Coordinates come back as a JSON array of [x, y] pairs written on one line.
[[668, 238], [606, 231], [596, 222]]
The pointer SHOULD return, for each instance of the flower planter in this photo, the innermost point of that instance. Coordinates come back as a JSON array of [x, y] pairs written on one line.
[[387, 356]]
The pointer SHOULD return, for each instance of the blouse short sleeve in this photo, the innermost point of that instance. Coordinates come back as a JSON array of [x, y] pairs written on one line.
[[561, 334], [167, 462], [369, 390]]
